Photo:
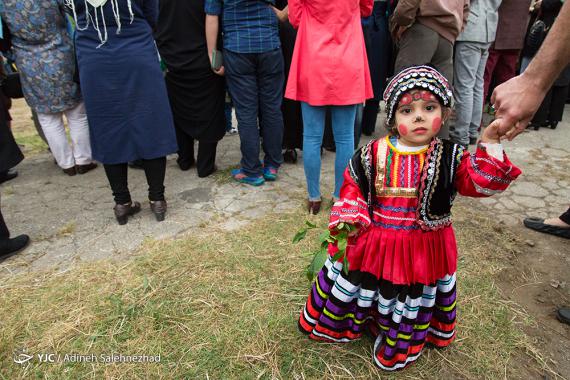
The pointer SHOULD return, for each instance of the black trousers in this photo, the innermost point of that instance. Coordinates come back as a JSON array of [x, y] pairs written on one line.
[[4, 233], [369, 116], [206, 160], [155, 171], [552, 107]]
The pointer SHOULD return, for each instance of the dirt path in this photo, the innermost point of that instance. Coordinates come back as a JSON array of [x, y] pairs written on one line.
[[538, 275]]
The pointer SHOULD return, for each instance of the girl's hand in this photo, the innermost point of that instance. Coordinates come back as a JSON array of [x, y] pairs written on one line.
[[355, 231], [492, 134], [350, 229]]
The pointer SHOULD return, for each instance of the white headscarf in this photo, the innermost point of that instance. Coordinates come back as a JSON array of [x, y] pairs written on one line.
[[97, 6]]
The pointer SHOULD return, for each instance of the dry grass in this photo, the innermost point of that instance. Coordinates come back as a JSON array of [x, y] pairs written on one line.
[[223, 176], [226, 307], [66, 230]]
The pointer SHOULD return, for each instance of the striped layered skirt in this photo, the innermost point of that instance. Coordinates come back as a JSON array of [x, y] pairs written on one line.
[[401, 318]]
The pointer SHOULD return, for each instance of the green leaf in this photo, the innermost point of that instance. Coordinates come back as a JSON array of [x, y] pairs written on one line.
[[343, 235], [324, 236], [317, 264], [337, 256], [310, 225], [345, 266], [342, 245], [300, 235], [340, 226]]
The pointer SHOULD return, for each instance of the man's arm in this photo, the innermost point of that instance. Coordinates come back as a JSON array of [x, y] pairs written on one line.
[[465, 14], [283, 14], [213, 9], [405, 12], [404, 16], [517, 100]]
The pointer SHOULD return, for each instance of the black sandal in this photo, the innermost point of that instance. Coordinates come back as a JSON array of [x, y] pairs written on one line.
[[563, 315], [538, 224]]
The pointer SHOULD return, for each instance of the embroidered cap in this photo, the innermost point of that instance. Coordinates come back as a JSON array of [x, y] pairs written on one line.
[[416, 77]]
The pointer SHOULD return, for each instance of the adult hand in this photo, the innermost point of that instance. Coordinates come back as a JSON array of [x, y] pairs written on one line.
[[221, 71], [282, 15], [515, 103]]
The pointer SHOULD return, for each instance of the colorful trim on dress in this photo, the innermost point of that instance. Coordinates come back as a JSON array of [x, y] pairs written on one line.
[[429, 181], [402, 319], [349, 211]]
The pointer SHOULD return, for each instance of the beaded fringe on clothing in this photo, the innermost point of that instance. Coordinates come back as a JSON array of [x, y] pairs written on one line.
[[93, 17]]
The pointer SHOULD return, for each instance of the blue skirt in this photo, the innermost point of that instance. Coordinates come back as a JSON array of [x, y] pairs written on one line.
[[125, 95]]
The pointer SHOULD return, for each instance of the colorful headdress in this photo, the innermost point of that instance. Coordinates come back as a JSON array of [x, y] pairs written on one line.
[[419, 77]]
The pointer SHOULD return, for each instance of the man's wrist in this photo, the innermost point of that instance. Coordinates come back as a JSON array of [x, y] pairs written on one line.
[[535, 80]]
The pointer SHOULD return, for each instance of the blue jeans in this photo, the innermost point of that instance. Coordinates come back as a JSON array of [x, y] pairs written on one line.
[[255, 82], [343, 118]]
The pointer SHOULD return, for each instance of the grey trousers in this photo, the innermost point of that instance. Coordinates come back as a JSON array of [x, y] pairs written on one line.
[[420, 45], [469, 70]]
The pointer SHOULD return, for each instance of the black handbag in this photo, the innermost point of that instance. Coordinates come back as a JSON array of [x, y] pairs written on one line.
[[535, 37]]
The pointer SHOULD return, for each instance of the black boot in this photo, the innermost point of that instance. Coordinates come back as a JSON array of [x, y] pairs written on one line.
[[9, 247], [11, 174], [123, 211], [158, 209]]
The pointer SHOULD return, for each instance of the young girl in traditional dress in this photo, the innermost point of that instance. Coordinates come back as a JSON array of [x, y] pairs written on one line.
[[398, 193]]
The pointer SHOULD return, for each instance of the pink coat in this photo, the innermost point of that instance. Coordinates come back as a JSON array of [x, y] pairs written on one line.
[[329, 65]]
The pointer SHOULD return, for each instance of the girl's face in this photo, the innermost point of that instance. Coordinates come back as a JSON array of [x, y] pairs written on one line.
[[419, 117]]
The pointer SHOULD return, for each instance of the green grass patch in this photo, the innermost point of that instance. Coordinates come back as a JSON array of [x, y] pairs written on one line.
[[32, 143], [227, 308]]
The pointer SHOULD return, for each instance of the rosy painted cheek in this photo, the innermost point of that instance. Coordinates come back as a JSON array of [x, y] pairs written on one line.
[[403, 129], [436, 125]]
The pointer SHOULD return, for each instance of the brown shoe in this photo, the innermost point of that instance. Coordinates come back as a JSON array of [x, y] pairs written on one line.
[[82, 169], [159, 209], [70, 171], [122, 212], [314, 207]]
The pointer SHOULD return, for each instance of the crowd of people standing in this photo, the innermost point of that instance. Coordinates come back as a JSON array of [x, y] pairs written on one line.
[[138, 80], [293, 70]]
